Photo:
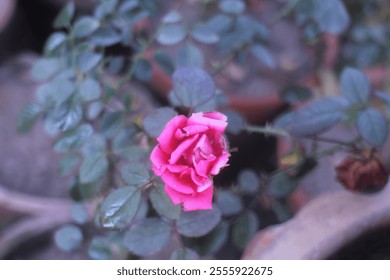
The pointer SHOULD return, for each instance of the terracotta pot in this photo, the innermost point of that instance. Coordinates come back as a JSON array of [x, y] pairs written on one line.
[[323, 227]]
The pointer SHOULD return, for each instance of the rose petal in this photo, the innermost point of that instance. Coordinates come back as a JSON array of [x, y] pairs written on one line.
[[167, 139], [190, 130], [213, 120], [159, 161], [176, 168], [220, 163], [196, 201], [182, 148], [181, 184], [201, 181], [216, 116], [202, 158]]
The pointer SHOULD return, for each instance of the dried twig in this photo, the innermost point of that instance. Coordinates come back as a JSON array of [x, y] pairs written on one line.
[[40, 215]]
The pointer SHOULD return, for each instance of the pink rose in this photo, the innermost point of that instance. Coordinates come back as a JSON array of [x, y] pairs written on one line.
[[189, 153]]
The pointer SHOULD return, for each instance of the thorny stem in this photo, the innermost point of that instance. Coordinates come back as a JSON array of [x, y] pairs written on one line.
[[268, 130]]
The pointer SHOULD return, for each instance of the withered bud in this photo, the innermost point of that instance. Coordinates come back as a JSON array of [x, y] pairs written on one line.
[[363, 172]]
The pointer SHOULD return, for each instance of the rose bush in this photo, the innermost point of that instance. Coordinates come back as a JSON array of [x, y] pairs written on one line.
[[189, 153]]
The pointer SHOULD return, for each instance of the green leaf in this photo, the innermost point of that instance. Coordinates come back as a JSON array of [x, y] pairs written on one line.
[[112, 123], [93, 167], [184, 254], [236, 122], [164, 61], [143, 210], [248, 181], [281, 185], [198, 223], [88, 61], [143, 70], [89, 89], [384, 96], [229, 203], [190, 55], [124, 138], [147, 236], [331, 16], [264, 56], [55, 92], [99, 249], [81, 192], [203, 34], [192, 86], [28, 116], [85, 26], [244, 229], [65, 17], [55, 40], [67, 116], [105, 37], [68, 163], [73, 139], [120, 208], [135, 174], [372, 126], [45, 68], [155, 121], [79, 213], [131, 153], [209, 106], [232, 6], [220, 23], [128, 5], [94, 110], [282, 211], [115, 64], [171, 34], [95, 145], [214, 241], [354, 85], [296, 94], [105, 8], [315, 118], [68, 238], [163, 204], [172, 17]]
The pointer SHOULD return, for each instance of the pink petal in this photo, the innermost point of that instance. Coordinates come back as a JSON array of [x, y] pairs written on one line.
[[197, 201], [159, 161], [167, 139], [182, 148], [178, 182], [202, 156], [201, 181], [176, 168], [213, 120], [220, 163], [190, 130]]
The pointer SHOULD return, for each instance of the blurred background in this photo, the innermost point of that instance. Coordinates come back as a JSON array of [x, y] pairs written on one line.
[[303, 62]]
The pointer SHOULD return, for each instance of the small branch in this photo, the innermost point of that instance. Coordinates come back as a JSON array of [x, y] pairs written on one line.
[[267, 130], [332, 141], [40, 215], [29, 228], [23, 204]]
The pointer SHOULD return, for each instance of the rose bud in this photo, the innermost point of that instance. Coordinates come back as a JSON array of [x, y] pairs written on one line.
[[362, 174], [189, 153]]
